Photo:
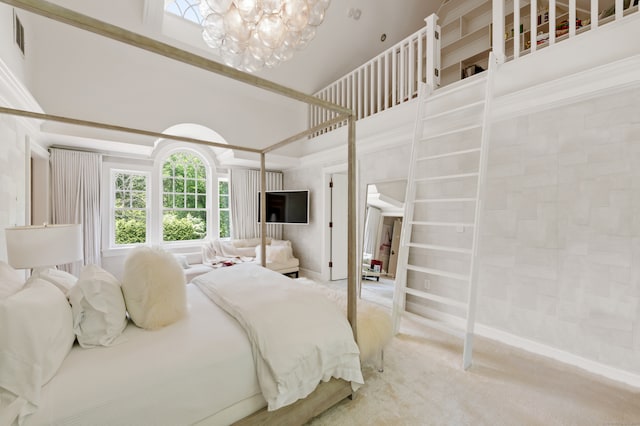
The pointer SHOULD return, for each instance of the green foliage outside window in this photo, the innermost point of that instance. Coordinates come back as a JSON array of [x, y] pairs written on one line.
[[223, 208], [184, 202], [184, 198]]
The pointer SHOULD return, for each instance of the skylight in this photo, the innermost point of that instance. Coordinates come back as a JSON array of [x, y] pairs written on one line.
[[186, 9]]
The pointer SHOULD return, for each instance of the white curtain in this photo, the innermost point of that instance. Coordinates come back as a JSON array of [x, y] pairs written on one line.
[[243, 192], [371, 224], [75, 194]]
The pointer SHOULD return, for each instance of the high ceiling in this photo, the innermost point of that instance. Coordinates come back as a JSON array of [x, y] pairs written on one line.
[[80, 75]]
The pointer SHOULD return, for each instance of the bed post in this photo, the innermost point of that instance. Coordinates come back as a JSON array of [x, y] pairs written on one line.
[[263, 211], [351, 222]]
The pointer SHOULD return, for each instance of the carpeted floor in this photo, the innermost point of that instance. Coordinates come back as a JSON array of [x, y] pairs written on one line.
[[423, 384]]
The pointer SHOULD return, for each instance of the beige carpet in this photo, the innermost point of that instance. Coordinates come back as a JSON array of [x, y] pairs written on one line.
[[423, 385]]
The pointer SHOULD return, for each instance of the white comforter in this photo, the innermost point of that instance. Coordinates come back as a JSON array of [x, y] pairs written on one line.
[[298, 336]]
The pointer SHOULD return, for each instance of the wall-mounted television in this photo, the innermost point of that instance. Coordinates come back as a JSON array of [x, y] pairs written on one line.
[[286, 206]]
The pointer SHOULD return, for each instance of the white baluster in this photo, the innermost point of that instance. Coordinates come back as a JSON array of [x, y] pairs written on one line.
[[412, 60], [552, 22], [594, 14], [572, 18], [380, 84], [498, 31], [387, 79], [619, 9], [533, 33], [394, 77], [516, 29]]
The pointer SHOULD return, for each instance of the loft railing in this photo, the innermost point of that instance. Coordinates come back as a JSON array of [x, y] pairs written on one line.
[[521, 27], [388, 80]]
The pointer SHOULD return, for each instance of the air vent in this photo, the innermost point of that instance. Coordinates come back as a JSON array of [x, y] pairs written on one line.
[[19, 32]]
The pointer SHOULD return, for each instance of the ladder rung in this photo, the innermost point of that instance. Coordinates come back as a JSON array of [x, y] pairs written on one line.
[[449, 154], [447, 328], [440, 248], [427, 223], [445, 177], [438, 272], [449, 90], [435, 298], [453, 111], [444, 200], [451, 132]]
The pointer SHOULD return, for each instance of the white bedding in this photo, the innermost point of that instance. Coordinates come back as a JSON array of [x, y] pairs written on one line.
[[299, 336], [178, 375]]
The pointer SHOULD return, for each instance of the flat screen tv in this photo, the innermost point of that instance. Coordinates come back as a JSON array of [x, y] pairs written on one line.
[[286, 206]]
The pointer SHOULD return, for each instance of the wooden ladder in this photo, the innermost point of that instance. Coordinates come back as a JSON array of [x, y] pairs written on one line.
[[438, 257]]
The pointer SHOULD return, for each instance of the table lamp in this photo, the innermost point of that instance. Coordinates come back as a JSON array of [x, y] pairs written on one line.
[[43, 247]]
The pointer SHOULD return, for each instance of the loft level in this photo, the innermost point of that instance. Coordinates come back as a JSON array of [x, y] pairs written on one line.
[[470, 30]]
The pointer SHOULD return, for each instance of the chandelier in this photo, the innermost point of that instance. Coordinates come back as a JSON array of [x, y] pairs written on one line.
[[252, 34]]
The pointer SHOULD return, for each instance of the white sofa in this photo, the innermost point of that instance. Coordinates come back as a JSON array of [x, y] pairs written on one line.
[[218, 253]]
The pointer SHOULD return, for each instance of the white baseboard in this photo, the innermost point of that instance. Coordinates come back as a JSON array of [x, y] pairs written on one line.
[[559, 355], [598, 368]]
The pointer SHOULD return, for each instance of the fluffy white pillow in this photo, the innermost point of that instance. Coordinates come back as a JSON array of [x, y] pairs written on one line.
[[10, 281], [99, 313], [35, 337], [154, 288], [61, 279]]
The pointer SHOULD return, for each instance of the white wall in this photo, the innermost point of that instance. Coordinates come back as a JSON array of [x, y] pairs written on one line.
[[560, 252], [12, 179]]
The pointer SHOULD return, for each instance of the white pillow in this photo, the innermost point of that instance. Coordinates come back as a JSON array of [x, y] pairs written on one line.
[[154, 288], [99, 313], [35, 337], [61, 279], [281, 243], [10, 281], [276, 254]]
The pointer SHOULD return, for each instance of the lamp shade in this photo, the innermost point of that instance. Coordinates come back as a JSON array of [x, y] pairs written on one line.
[[40, 246]]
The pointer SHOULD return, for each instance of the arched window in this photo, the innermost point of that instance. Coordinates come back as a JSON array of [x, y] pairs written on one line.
[[184, 197], [187, 9]]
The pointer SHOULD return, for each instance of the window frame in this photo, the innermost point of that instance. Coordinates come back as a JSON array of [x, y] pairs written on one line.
[[113, 172], [209, 195], [224, 178]]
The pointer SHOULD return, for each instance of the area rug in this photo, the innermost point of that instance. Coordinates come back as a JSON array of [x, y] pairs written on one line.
[[423, 384]]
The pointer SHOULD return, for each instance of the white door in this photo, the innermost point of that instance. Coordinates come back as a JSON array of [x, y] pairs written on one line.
[[338, 230]]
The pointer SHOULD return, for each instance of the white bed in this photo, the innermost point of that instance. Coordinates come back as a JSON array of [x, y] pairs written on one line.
[[166, 383], [198, 370], [252, 337]]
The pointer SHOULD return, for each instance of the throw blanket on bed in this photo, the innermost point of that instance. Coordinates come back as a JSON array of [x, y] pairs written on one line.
[[298, 336]]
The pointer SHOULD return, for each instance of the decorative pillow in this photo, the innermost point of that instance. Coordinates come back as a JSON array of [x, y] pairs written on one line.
[[35, 337], [182, 260], [281, 243], [10, 281], [154, 288], [61, 279], [276, 254], [99, 313]]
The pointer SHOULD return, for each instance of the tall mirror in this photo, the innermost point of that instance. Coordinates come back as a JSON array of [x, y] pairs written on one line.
[[381, 239]]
